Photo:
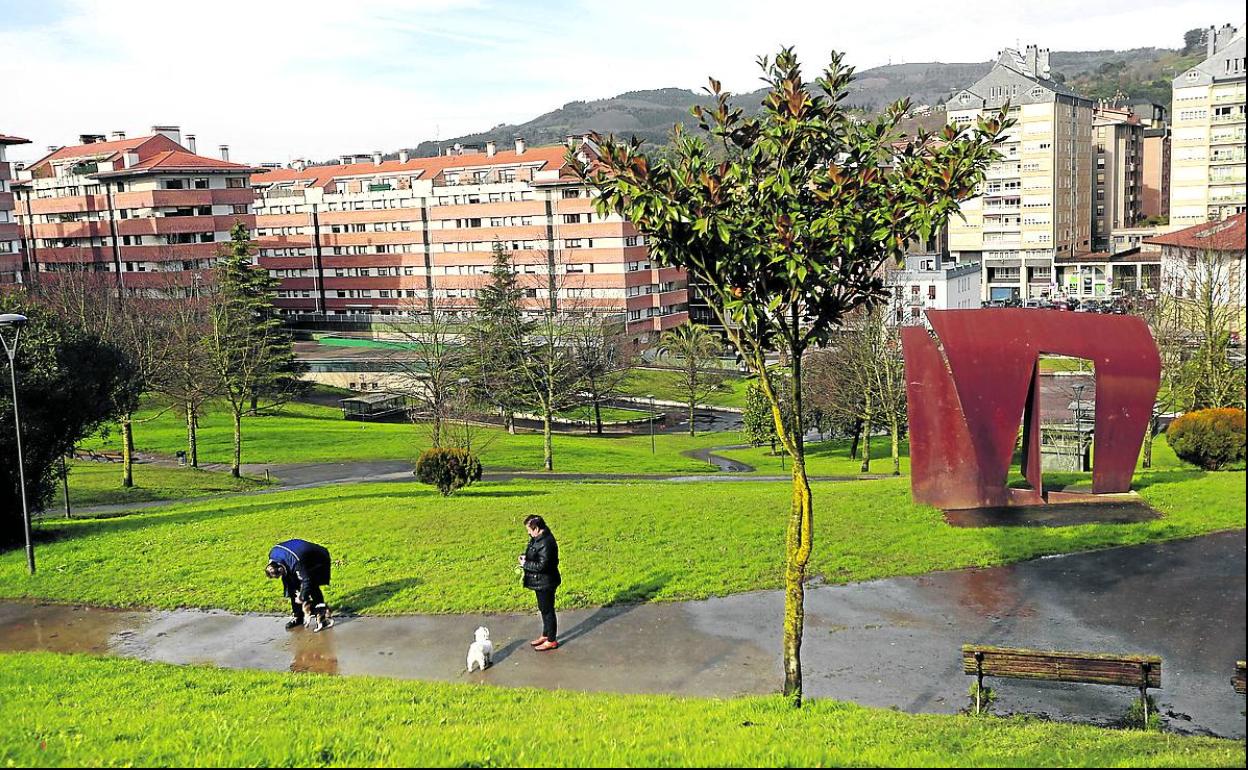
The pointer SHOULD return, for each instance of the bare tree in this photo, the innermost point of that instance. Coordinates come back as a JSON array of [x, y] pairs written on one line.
[[90, 301], [552, 376], [428, 364], [186, 379], [604, 360]]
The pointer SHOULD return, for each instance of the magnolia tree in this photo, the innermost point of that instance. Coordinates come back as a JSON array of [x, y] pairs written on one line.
[[785, 218]]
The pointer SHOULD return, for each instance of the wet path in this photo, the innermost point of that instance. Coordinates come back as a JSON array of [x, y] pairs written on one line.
[[891, 643]]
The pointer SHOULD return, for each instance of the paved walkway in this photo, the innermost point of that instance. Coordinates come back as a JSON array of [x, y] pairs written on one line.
[[889, 643]]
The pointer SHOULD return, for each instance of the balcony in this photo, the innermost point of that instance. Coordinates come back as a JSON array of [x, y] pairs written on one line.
[[1235, 117]]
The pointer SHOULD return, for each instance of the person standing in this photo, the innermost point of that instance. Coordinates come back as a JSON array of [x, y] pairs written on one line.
[[303, 568], [541, 574]]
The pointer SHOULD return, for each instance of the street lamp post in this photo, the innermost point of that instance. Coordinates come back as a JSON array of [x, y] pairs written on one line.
[[1079, 423], [651, 398], [17, 321]]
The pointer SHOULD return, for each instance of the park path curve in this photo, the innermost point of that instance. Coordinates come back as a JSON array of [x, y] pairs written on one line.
[[889, 643]]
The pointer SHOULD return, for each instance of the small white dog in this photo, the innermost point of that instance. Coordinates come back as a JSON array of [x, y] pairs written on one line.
[[480, 651]]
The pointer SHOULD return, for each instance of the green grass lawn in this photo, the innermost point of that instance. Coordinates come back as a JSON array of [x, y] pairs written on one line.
[[92, 483], [400, 547], [664, 384], [824, 458], [609, 414], [75, 710], [311, 433]]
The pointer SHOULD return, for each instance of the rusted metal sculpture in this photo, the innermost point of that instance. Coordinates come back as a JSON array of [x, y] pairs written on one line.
[[971, 385]]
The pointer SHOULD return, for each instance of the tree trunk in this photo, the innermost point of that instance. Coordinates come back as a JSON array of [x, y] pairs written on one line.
[[1147, 460], [127, 451], [548, 447], [192, 435], [510, 420], [797, 556], [237, 460], [692, 404], [255, 403], [437, 429], [598, 415], [895, 431], [65, 486], [853, 444], [866, 443]]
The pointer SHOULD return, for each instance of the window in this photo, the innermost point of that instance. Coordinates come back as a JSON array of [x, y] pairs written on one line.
[[200, 184], [235, 182], [571, 219], [630, 240], [931, 292], [572, 192], [174, 184]]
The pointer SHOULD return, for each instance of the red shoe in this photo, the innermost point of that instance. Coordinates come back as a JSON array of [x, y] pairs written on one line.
[[549, 644], [537, 641]]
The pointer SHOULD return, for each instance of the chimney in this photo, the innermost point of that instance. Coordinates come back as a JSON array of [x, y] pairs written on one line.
[[118, 135], [1042, 64], [519, 145], [1211, 41], [225, 152], [131, 158], [298, 164], [53, 148], [1225, 35], [1029, 60], [190, 144], [90, 138], [490, 149], [403, 156], [376, 157], [459, 149], [173, 133]]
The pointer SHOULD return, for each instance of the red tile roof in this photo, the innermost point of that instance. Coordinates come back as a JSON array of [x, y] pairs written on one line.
[[6, 139], [1227, 235], [320, 176], [145, 146], [177, 160]]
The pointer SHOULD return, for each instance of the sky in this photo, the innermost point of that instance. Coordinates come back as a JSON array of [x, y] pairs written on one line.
[[278, 80]]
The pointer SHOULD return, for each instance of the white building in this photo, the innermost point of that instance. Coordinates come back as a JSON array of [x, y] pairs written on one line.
[[929, 284]]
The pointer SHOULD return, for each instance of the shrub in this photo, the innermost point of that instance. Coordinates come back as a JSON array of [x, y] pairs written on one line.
[[448, 469], [1210, 438]]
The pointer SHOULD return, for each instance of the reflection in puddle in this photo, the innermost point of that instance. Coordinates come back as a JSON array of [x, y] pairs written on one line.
[[314, 653], [59, 628]]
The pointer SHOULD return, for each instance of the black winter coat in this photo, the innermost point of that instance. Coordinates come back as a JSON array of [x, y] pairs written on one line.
[[541, 563], [307, 566]]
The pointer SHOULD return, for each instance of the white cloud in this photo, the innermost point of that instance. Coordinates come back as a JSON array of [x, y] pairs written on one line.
[[276, 79]]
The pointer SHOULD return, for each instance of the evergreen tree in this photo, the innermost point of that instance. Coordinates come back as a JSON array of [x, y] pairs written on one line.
[[498, 340], [251, 353]]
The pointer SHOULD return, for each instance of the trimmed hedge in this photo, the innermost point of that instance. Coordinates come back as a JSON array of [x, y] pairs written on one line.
[[1210, 438], [448, 469]]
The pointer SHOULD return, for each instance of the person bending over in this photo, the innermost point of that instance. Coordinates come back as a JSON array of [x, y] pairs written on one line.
[[303, 568]]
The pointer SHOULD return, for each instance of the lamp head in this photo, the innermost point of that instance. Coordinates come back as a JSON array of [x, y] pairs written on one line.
[[12, 319]]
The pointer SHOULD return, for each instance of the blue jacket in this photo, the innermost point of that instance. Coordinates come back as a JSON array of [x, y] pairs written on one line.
[[307, 566]]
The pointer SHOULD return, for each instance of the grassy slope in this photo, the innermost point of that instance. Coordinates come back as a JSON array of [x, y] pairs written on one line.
[[665, 385], [823, 458], [83, 711], [402, 548], [92, 483], [311, 433]]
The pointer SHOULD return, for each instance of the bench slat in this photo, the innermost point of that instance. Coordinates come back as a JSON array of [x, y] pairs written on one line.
[[1049, 665]]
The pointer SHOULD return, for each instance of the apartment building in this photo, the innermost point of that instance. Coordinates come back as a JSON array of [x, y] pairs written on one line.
[[1207, 152], [146, 209], [1155, 177], [926, 283], [1118, 141], [11, 252], [1036, 202], [372, 237]]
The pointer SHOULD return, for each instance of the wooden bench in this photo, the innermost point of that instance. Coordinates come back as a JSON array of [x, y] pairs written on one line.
[[1139, 671], [1237, 681]]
